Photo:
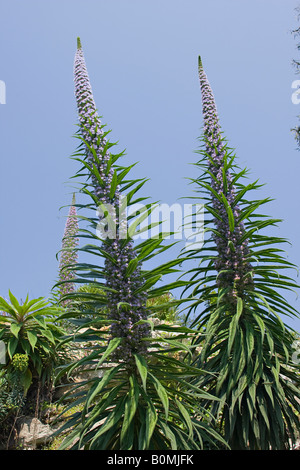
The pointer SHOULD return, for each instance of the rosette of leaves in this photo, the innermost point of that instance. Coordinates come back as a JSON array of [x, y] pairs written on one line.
[[139, 398], [29, 329], [237, 290]]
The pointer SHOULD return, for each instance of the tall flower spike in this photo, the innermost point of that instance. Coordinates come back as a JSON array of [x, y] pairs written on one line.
[[246, 352], [92, 129], [231, 263], [126, 307], [69, 254]]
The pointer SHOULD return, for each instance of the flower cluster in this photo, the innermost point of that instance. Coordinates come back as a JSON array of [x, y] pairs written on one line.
[[20, 362], [69, 254], [234, 270], [126, 305], [126, 302], [91, 128]]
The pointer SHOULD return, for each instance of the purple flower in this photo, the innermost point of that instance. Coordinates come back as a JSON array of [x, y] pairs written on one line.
[[234, 270], [127, 301]]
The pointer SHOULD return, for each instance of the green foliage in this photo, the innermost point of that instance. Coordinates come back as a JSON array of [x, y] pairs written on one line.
[[86, 300], [11, 396], [164, 308], [151, 406], [30, 333]]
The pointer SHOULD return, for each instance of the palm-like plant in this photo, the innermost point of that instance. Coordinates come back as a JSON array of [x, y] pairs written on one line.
[[237, 292], [30, 329], [140, 397]]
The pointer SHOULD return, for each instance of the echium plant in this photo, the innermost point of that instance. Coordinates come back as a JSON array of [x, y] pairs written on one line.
[[232, 263], [237, 292], [69, 255], [139, 396], [119, 255]]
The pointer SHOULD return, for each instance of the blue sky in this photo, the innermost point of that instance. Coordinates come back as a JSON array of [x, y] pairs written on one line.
[[142, 61]]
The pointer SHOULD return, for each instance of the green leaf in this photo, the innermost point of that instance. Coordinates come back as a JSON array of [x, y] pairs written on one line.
[[169, 434], [130, 409], [11, 346], [26, 380], [162, 393], [15, 328], [144, 212], [231, 246], [25, 345], [245, 214], [229, 213], [113, 344], [97, 174], [113, 185], [224, 180], [112, 420], [234, 323], [131, 267], [13, 300], [124, 172], [41, 321], [6, 307], [186, 417], [148, 426], [261, 324], [100, 384], [148, 284], [32, 338], [48, 334], [142, 368], [239, 307], [250, 341]]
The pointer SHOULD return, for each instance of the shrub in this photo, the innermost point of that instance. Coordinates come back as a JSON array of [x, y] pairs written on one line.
[[32, 337]]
